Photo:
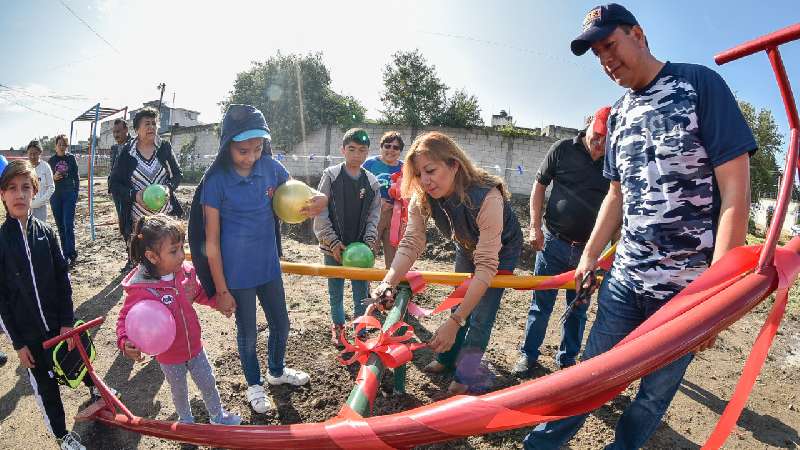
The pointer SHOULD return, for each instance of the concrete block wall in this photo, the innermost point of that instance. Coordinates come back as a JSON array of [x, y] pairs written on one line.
[[206, 143], [487, 148]]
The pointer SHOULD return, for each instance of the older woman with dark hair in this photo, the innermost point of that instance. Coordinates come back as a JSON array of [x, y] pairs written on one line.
[[143, 161]]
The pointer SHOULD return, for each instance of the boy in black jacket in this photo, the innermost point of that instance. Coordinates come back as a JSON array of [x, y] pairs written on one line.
[[35, 293]]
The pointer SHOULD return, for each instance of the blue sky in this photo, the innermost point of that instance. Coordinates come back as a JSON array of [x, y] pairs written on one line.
[[511, 55]]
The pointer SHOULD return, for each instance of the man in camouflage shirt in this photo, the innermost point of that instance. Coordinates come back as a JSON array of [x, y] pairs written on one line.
[[677, 155]]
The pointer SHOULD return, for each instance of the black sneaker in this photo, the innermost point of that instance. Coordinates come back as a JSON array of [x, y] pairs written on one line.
[[564, 365], [3, 359]]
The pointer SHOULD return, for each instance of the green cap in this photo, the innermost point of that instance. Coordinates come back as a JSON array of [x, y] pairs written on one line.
[[357, 135]]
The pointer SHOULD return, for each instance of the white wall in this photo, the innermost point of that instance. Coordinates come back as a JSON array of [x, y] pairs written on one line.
[[760, 214], [486, 147]]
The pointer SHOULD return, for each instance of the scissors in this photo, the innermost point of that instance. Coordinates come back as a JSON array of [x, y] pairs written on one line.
[[381, 298], [582, 293]]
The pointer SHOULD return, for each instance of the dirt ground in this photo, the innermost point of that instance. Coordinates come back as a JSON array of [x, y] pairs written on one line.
[[770, 420]]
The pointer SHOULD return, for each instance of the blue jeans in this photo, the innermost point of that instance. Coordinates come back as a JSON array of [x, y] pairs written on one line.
[[273, 303], [619, 311], [336, 294], [472, 339], [63, 205], [556, 257]]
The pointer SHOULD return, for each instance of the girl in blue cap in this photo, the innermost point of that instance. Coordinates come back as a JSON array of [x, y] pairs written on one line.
[[233, 236]]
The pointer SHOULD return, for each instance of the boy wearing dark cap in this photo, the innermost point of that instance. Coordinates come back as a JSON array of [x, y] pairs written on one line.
[[354, 209], [677, 155]]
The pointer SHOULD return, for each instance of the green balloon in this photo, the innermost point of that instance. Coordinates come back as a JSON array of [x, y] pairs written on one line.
[[155, 197], [358, 254]]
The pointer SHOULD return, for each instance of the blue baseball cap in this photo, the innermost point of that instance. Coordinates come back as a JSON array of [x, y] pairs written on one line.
[[250, 134], [599, 23]]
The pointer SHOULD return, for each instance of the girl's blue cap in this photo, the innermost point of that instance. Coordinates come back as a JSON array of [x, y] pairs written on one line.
[[250, 134]]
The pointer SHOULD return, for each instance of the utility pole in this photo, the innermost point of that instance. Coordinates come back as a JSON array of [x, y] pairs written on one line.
[[161, 86]]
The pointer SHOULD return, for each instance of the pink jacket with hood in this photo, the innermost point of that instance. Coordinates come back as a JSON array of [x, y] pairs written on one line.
[[178, 296]]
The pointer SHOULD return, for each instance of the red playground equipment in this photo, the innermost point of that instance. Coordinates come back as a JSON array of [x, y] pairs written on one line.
[[723, 294]]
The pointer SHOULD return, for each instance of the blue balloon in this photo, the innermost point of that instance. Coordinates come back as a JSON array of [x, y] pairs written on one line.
[[3, 164]]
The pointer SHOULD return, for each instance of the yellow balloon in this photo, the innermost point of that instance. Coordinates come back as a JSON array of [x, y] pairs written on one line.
[[289, 198]]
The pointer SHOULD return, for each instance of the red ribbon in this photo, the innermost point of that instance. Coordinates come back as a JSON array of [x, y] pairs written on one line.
[[559, 280], [787, 264], [399, 210], [454, 299], [392, 350]]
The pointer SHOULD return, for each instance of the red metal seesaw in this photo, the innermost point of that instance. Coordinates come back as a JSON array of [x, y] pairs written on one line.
[[722, 295]]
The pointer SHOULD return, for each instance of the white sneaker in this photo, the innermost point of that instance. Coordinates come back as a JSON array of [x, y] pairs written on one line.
[[290, 376], [95, 392], [258, 399], [71, 442], [226, 418]]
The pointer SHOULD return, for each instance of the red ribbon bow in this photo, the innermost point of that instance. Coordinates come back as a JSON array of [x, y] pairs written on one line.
[[392, 350]]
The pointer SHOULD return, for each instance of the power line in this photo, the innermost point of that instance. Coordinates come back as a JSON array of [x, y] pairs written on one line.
[[510, 47], [64, 97], [88, 26], [39, 98], [71, 63], [32, 109]]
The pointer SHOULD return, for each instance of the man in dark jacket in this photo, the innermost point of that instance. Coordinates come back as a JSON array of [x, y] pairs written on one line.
[[122, 137]]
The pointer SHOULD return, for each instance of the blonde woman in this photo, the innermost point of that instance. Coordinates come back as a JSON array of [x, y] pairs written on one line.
[[469, 206]]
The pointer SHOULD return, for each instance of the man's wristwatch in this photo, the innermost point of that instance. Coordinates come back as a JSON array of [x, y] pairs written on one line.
[[458, 319]]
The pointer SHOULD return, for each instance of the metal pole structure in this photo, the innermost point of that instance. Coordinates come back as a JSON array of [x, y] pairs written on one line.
[[91, 167], [71, 125], [359, 400], [161, 86], [769, 44]]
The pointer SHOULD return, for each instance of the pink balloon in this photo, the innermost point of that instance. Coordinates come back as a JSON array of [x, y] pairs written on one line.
[[150, 326]]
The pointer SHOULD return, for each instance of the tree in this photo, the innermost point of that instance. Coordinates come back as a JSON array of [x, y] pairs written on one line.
[[462, 111], [48, 144], [187, 156], [345, 111], [764, 170], [414, 95], [294, 93]]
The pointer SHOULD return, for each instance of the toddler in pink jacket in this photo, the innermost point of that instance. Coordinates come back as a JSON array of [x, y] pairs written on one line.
[[162, 274]]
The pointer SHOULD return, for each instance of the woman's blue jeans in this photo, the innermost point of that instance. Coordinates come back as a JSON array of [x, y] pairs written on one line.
[[472, 339], [63, 205]]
